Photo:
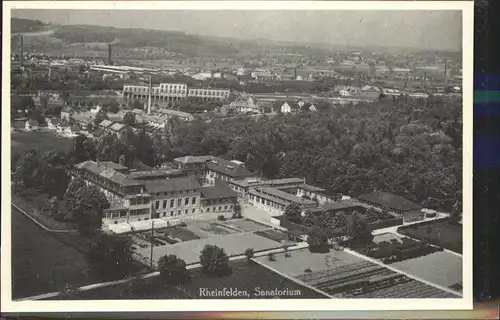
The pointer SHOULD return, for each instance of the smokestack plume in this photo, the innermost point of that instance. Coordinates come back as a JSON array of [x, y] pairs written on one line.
[[109, 55]]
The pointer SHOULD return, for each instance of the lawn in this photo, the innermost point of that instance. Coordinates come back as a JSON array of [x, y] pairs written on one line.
[[438, 232], [22, 142], [248, 277], [41, 262], [233, 244], [343, 275]]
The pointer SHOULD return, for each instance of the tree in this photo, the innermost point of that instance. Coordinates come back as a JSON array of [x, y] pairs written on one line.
[[129, 118], [293, 213], [87, 210], [172, 270], [249, 253], [237, 210], [110, 256], [358, 229], [99, 117], [214, 260]]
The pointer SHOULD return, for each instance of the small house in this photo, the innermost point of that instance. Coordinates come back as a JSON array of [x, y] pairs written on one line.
[[53, 123], [72, 130], [31, 125]]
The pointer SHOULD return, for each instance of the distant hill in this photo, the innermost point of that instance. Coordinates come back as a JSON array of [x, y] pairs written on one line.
[[26, 25], [44, 36]]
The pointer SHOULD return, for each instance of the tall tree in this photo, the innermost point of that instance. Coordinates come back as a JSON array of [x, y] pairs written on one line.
[[88, 209], [173, 270], [110, 256], [293, 213], [214, 260]]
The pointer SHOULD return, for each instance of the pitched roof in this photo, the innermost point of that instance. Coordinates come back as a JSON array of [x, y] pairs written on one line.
[[117, 126], [105, 123], [108, 173], [167, 185], [336, 206], [193, 159], [286, 196], [113, 165], [219, 191], [389, 200], [151, 174], [229, 168]]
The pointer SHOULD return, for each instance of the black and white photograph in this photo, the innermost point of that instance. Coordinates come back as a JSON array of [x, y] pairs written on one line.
[[227, 153]]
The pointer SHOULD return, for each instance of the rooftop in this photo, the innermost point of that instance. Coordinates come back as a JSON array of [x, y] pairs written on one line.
[[113, 165], [233, 169], [391, 201], [194, 159], [336, 206], [286, 196], [105, 123], [108, 173], [219, 191], [310, 188], [117, 126], [168, 185], [143, 175], [175, 113]]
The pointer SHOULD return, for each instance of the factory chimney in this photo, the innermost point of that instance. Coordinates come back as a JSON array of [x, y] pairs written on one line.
[[109, 55], [21, 58], [149, 95], [295, 73], [445, 73]]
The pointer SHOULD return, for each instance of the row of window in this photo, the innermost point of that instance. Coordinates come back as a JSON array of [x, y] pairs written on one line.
[[173, 193], [214, 209], [267, 202], [171, 203], [209, 93]]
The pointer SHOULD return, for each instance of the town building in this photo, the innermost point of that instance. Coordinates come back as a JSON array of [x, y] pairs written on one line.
[[211, 169], [138, 195], [275, 201], [173, 92]]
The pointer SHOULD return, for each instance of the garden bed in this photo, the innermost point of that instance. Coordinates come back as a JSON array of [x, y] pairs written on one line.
[[437, 232]]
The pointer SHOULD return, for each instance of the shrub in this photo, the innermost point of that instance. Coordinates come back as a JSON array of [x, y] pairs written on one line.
[[221, 218], [271, 256], [308, 270], [288, 254], [250, 253]]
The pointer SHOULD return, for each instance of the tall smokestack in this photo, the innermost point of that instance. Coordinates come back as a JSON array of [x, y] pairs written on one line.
[[446, 73], [149, 96], [424, 80], [21, 59], [109, 55], [295, 73]]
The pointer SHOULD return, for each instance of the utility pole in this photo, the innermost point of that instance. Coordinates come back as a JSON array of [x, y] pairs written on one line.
[[151, 243]]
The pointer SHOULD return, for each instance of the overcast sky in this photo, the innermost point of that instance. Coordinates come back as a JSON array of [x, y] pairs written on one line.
[[416, 29]]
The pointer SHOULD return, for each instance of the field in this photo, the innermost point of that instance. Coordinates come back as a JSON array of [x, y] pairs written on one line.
[[22, 142], [442, 268], [41, 262], [343, 275], [233, 244], [440, 233], [248, 277]]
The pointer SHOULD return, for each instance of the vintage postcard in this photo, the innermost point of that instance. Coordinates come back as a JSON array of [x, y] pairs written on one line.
[[252, 155]]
